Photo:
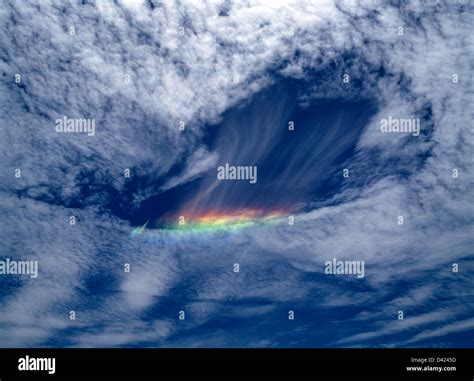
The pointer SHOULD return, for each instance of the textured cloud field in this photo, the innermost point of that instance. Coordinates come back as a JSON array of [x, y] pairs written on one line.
[[178, 89]]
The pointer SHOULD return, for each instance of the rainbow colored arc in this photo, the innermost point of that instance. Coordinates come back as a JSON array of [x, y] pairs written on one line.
[[216, 221]]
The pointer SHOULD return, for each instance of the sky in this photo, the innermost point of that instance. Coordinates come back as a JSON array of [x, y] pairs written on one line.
[[178, 89]]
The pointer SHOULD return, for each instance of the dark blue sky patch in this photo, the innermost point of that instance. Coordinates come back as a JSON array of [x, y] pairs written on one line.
[[293, 166]]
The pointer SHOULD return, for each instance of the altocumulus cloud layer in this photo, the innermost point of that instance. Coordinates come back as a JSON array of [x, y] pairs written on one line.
[[234, 73]]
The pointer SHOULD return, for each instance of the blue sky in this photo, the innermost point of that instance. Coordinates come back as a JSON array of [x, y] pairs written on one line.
[[234, 74]]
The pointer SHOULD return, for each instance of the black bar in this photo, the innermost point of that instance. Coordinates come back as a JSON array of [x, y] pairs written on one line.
[[143, 364]]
